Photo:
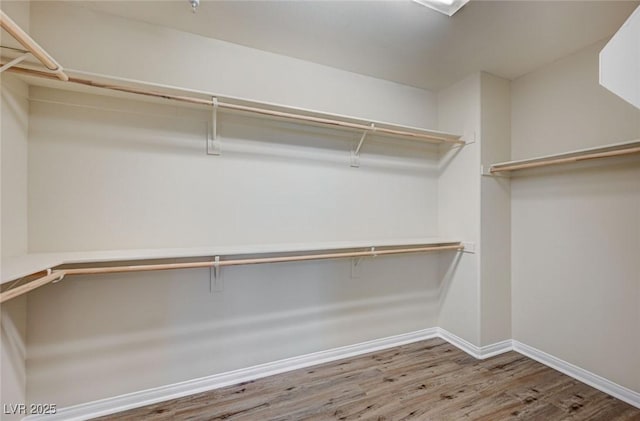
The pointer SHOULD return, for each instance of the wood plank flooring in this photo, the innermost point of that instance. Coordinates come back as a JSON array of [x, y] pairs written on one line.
[[428, 380]]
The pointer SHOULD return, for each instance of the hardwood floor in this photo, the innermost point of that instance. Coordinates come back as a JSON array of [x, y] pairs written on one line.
[[428, 380]]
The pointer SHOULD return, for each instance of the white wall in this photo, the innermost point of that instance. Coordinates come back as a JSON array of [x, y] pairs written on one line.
[[475, 293], [131, 49], [14, 112], [459, 209], [15, 124], [561, 107], [129, 174], [13, 353], [147, 182], [576, 230], [495, 212]]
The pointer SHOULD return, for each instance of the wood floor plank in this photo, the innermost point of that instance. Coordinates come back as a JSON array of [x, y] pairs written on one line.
[[427, 380]]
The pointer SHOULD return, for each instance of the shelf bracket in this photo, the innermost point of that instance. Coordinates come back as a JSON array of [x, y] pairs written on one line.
[[49, 272], [356, 264], [486, 173], [213, 144], [14, 62], [469, 137], [355, 154], [216, 283]]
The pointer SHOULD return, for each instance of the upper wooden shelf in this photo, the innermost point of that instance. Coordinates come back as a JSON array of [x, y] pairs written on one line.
[[607, 151], [107, 85]]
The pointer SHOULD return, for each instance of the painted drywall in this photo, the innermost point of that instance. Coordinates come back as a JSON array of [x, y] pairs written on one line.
[[14, 112], [579, 115], [15, 124], [576, 230], [132, 49], [127, 174], [13, 353], [139, 177], [495, 212], [475, 294], [458, 209]]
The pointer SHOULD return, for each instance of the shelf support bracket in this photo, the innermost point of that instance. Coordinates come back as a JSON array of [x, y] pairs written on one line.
[[216, 283], [14, 62], [55, 281], [355, 154], [469, 137], [356, 264], [486, 173], [213, 144]]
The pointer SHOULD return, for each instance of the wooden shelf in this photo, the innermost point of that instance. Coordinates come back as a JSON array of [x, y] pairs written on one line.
[[14, 268], [127, 88], [607, 151]]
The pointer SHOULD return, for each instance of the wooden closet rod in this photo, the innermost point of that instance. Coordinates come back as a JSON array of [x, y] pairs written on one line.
[[558, 161], [244, 108], [33, 47], [57, 275]]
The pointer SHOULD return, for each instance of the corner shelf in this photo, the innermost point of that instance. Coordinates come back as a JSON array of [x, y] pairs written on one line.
[[607, 151]]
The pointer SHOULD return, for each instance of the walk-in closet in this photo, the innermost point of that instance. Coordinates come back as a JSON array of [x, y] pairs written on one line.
[[320, 210]]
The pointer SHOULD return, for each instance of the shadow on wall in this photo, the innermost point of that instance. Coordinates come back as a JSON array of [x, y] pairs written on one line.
[[161, 328], [447, 265], [156, 129], [13, 351]]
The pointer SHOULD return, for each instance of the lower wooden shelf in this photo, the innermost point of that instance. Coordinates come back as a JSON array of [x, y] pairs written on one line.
[[48, 267]]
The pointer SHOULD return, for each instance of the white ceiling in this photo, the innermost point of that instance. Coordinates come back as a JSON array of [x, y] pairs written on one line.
[[398, 40]]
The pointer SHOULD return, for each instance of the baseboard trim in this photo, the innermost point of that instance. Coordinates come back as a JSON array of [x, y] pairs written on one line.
[[150, 396], [479, 352], [177, 390], [600, 383]]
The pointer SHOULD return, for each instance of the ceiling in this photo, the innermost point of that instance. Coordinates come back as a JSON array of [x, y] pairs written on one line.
[[400, 40]]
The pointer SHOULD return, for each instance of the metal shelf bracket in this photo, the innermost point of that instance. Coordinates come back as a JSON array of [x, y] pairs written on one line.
[[14, 62], [213, 144], [356, 264], [216, 283], [355, 154]]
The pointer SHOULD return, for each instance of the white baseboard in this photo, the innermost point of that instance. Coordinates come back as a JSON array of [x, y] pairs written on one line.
[[158, 394], [150, 396], [479, 352], [600, 383]]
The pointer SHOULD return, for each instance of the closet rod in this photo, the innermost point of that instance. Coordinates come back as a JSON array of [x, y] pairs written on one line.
[[57, 275], [244, 108], [30, 45], [558, 161]]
